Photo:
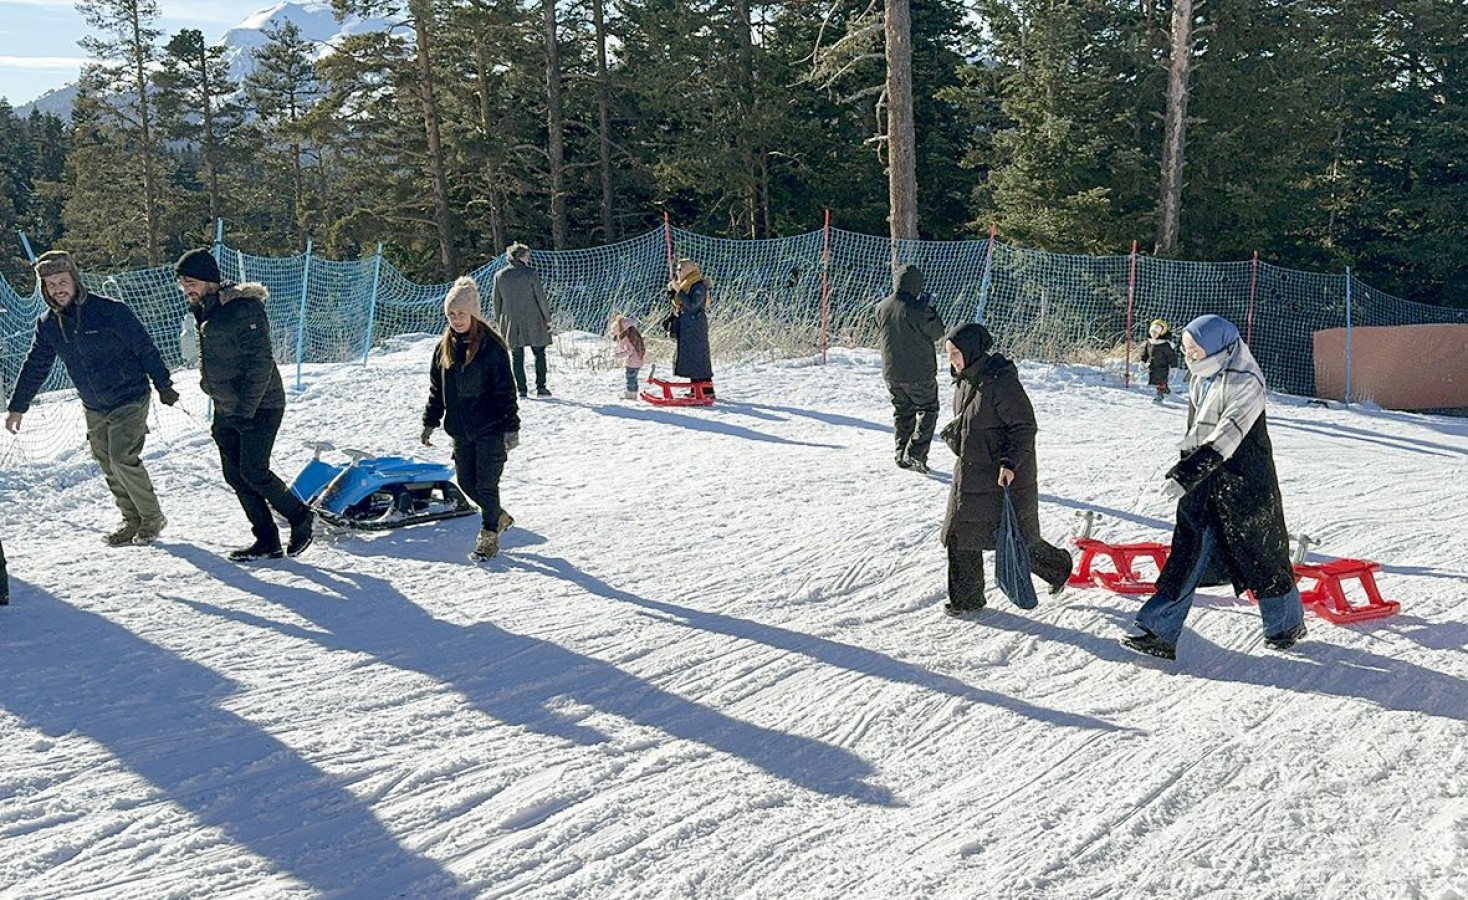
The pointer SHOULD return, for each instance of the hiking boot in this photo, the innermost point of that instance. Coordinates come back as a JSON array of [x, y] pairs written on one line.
[[958, 609], [919, 466], [503, 523], [903, 462], [629, 395], [149, 529], [542, 392], [302, 534], [486, 546], [1149, 644], [123, 534], [257, 550], [1285, 640]]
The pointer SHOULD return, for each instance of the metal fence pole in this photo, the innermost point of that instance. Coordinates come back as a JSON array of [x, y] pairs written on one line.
[[1348, 336], [372, 303], [29, 253], [301, 319]]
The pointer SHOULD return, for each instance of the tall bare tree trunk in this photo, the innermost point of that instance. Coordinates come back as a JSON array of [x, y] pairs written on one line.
[[145, 129], [555, 126], [901, 135], [486, 122], [603, 120], [1175, 127], [443, 217]]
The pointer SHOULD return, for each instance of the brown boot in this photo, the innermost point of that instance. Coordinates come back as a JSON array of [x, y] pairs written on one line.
[[487, 545], [123, 534], [503, 523], [149, 529]]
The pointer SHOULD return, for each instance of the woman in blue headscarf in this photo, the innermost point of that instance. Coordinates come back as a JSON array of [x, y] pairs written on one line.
[[1229, 511]]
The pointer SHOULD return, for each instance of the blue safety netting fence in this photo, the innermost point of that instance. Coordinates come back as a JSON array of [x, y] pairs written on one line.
[[780, 297]]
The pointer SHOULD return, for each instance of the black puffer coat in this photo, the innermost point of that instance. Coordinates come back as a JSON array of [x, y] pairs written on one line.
[[907, 329], [994, 426], [691, 357], [473, 400], [236, 356]]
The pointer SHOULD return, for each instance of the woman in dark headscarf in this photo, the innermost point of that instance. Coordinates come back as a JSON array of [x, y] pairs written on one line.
[[993, 436], [1228, 503], [689, 291]]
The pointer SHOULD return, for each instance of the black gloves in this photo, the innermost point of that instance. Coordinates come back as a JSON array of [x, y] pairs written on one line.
[[167, 396]]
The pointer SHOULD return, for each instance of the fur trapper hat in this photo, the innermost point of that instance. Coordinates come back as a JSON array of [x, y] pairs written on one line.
[[463, 296], [56, 262]]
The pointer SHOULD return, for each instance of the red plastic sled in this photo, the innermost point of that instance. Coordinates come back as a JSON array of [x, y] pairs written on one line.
[[1327, 596], [680, 393], [1124, 578]]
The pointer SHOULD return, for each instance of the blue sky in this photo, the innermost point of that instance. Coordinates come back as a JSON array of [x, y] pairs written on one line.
[[38, 49]]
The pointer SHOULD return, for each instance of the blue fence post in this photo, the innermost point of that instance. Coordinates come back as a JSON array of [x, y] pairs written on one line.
[[1348, 336], [372, 303], [218, 237], [985, 279], [29, 253], [301, 319]]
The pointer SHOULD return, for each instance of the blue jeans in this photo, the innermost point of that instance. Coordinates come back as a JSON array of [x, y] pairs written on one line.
[[632, 379], [1163, 615]]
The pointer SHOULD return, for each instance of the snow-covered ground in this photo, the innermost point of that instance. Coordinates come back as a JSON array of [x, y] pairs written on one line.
[[711, 662]]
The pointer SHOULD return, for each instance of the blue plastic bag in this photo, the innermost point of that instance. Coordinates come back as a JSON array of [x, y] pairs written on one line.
[[1012, 559]]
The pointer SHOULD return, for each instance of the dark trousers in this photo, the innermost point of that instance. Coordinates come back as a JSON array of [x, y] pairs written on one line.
[[479, 463], [517, 365], [4, 578], [966, 570], [244, 455], [914, 417]]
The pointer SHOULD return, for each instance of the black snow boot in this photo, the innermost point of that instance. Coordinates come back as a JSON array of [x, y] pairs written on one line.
[[1286, 639], [257, 550], [301, 535], [1149, 644]]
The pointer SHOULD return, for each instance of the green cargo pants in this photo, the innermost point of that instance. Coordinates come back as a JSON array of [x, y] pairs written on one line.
[[117, 443]]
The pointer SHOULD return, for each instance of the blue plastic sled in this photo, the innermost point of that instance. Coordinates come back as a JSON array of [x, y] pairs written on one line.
[[374, 492]]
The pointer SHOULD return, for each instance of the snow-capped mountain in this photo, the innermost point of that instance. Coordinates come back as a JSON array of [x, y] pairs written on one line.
[[315, 19]]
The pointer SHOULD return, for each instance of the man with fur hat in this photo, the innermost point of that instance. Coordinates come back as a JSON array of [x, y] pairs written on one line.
[[522, 316], [111, 359], [908, 330], [237, 370], [993, 436], [471, 391]]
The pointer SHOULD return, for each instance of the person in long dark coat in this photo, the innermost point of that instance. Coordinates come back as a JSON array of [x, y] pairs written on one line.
[[689, 292], [523, 316], [471, 391], [237, 370], [1229, 509], [993, 436], [908, 331]]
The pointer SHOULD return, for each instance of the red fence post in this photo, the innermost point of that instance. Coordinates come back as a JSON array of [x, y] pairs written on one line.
[[825, 286], [1131, 294], [1249, 317]]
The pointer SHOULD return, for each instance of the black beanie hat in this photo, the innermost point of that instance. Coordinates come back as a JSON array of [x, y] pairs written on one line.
[[972, 340], [198, 264]]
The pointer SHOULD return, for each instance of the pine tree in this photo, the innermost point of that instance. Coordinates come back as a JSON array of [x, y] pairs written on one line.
[[197, 103], [282, 91]]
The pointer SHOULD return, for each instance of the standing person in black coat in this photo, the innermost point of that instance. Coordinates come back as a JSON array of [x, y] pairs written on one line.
[[237, 370], [993, 436], [908, 331], [471, 390], [1228, 502], [111, 359], [689, 293]]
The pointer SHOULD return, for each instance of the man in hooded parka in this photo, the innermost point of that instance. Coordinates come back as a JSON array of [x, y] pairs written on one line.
[[908, 330]]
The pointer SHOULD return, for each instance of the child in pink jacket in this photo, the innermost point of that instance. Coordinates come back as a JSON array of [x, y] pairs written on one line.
[[631, 349]]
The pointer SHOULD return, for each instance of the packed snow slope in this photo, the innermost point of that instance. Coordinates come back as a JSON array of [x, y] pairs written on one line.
[[711, 662]]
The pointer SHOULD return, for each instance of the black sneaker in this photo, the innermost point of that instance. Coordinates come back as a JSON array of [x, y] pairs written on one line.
[[1285, 640], [542, 392], [302, 534], [256, 551], [1149, 644], [958, 609]]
